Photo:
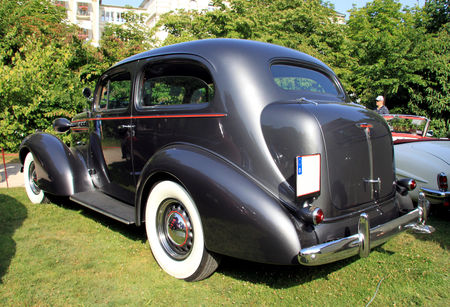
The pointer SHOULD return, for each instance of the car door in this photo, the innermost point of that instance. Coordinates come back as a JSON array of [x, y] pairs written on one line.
[[172, 106], [110, 144]]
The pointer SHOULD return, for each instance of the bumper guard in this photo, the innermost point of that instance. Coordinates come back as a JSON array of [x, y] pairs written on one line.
[[367, 238]]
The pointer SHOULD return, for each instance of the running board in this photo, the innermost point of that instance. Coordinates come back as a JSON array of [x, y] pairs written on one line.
[[106, 205]]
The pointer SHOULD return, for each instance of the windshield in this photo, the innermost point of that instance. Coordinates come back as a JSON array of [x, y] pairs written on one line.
[[406, 124]]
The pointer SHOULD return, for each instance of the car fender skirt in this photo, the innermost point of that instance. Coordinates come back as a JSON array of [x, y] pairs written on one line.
[[239, 217], [60, 171]]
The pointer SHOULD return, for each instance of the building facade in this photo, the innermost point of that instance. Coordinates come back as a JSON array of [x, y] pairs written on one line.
[[92, 15]]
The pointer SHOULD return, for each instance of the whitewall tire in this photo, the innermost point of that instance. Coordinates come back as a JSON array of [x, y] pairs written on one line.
[[35, 194], [175, 233]]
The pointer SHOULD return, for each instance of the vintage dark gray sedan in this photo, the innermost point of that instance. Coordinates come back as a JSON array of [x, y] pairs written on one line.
[[229, 147]]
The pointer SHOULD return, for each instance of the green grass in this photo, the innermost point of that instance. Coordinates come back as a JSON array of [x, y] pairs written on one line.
[[65, 255]]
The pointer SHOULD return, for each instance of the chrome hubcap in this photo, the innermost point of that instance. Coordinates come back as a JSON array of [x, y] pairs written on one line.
[[32, 179], [174, 228]]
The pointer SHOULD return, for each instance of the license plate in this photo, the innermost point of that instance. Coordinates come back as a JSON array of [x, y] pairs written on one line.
[[308, 174]]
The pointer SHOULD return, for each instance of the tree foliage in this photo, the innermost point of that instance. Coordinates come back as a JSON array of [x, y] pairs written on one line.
[[308, 26], [40, 57], [401, 53], [121, 41], [44, 66], [396, 56]]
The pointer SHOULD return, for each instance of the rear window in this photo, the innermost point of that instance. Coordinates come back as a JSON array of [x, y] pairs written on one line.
[[295, 78]]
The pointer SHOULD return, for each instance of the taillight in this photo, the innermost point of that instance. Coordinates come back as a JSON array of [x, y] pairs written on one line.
[[442, 182], [318, 216], [412, 184], [311, 215], [407, 183]]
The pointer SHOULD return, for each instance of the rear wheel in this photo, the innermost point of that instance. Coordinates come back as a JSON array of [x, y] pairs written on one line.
[[175, 233], [35, 194]]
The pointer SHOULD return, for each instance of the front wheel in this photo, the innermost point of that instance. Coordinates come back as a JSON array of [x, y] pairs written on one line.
[[35, 194], [175, 233]]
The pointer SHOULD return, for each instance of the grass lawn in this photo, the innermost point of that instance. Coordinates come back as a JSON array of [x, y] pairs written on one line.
[[64, 255]]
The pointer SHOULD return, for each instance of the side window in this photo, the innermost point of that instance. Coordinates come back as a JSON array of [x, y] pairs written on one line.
[[295, 78], [115, 93], [176, 84]]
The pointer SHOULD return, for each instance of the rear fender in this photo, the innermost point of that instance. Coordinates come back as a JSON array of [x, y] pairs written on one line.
[[239, 217], [60, 170]]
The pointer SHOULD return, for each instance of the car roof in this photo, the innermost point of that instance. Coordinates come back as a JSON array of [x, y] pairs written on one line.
[[220, 49]]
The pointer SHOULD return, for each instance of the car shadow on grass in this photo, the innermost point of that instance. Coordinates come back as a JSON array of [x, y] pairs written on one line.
[[277, 276], [12, 215], [274, 276], [131, 232]]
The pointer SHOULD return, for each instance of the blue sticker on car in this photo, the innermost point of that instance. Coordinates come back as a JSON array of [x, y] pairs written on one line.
[[299, 165]]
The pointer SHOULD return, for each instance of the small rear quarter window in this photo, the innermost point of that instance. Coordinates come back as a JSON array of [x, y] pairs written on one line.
[[295, 78]]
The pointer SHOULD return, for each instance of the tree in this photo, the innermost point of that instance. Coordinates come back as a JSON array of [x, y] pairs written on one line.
[[437, 14], [308, 26], [432, 96], [121, 41], [21, 21], [40, 58], [381, 41], [395, 56]]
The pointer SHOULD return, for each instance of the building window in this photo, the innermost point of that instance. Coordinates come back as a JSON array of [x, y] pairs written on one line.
[[211, 6], [83, 9], [61, 3], [83, 34]]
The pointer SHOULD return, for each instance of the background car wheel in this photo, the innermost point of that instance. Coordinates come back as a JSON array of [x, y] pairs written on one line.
[[35, 194], [175, 233]]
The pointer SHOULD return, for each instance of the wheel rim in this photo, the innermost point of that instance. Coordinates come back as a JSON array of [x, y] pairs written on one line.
[[175, 231], [32, 179]]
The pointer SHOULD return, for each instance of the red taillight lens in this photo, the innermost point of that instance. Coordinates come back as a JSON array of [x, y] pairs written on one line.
[[442, 182], [412, 184], [318, 216]]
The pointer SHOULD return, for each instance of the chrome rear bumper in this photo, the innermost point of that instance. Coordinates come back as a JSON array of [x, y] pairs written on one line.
[[366, 238], [436, 194]]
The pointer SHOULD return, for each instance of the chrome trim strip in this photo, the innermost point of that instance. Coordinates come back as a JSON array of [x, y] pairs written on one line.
[[353, 245], [435, 193]]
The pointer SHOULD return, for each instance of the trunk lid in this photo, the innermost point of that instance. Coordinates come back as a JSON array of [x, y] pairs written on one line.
[[355, 147], [359, 154]]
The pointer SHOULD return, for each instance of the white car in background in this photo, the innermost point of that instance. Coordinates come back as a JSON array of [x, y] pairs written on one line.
[[421, 157]]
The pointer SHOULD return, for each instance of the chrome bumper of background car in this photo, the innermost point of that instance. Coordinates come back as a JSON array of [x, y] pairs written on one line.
[[435, 193], [367, 237]]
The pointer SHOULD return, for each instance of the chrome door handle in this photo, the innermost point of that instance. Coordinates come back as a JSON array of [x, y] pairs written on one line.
[[121, 127]]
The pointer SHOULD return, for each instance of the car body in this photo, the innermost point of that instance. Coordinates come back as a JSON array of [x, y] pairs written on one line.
[[229, 147], [423, 158]]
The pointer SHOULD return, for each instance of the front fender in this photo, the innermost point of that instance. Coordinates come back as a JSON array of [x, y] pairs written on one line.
[[240, 218], [60, 171]]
